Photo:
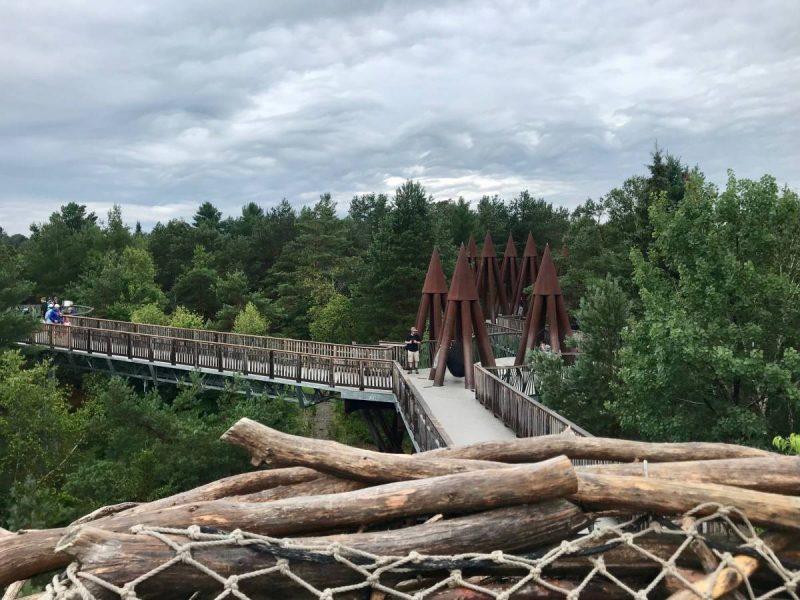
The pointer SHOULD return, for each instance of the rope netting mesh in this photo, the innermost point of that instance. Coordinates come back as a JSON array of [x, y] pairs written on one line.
[[641, 558]]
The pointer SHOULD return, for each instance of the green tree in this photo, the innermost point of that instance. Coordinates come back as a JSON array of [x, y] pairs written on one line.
[[172, 247], [14, 290], [152, 314], [185, 318], [250, 322], [333, 321], [713, 355], [115, 284], [58, 250], [585, 391], [194, 288]]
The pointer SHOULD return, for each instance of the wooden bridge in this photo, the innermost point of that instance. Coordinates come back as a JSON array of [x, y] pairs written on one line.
[[359, 373]]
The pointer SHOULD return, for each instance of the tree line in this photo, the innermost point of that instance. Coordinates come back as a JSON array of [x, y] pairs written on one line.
[[686, 298]]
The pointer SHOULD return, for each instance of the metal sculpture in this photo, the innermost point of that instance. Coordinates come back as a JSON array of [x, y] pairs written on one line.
[[509, 273], [528, 270], [434, 299], [463, 319], [547, 314], [490, 290], [473, 256]]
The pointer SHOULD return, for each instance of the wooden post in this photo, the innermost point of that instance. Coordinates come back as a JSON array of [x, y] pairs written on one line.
[[361, 374], [196, 354], [299, 373], [50, 335], [245, 366], [331, 373], [109, 347], [88, 341], [219, 357], [129, 344], [150, 352], [272, 364], [172, 351]]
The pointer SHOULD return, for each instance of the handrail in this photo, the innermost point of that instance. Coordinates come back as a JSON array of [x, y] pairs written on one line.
[[257, 341], [522, 414], [334, 371], [426, 431]]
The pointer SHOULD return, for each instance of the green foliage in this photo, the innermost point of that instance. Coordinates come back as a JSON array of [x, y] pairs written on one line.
[[585, 391], [185, 318], [714, 354], [116, 283], [151, 314], [14, 325], [194, 288], [789, 444], [350, 429], [249, 321], [333, 321]]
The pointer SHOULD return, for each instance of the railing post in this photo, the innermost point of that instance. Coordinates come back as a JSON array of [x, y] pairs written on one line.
[[69, 339], [331, 374], [88, 341], [50, 336], [272, 364], [129, 343], [299, 374], [109, 349], [150, 351], [361, 374], [172, 351], [219, 358], [245, 366], [196, 352]]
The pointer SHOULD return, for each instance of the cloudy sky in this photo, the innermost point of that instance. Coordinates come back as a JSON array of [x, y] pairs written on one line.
[[161, 105]]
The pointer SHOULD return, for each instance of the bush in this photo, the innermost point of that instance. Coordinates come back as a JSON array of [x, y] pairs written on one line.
[[249, 321], [150, 314], [183, 317]]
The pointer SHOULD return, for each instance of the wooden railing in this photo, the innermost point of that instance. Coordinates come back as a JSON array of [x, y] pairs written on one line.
[[522, 414], [236, 339], [422, 426], [513, 322], [333, 371]]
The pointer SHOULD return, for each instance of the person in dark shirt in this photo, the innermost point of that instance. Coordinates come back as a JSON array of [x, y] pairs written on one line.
[[413, 340]]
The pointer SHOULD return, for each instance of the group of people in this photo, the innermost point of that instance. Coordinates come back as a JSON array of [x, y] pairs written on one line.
[[52, 313]]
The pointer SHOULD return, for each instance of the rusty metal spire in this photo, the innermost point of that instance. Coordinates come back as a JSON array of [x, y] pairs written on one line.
[[547, 317], [509, 273], [490, 290], [434, 299], [463, 319], [528, 270], [473, 256]]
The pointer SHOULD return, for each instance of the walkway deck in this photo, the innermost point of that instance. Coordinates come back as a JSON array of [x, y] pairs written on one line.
[[464, 419]]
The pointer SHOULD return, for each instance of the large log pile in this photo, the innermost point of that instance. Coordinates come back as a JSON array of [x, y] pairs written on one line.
[[523, 497]]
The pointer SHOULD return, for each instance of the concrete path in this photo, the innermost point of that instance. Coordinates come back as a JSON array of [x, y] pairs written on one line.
[[464, 419]]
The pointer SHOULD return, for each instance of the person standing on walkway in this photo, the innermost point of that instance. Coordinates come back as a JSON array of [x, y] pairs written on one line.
[[413, 340]]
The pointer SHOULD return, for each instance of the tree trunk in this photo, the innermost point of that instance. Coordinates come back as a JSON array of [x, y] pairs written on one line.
[[776, 474], [274, 447], [119, 558], [670, 497], [324, 484], [534, 449]]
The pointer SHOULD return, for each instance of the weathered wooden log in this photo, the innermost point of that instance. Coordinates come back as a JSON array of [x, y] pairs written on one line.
[[727, 579], [776, 474], [274, 447], [460, 492], [672, 497], [598, 589], [534, 449], [28, 553], [448, 494], [119, 558], [324, 484]]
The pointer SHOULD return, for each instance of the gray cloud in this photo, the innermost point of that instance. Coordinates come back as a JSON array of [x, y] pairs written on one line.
[[162, 105]]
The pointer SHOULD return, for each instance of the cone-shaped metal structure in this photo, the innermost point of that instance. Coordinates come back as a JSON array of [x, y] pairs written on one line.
[[547, 315], [490, 289], [434, 299], [528, 270], [473, 256], [463, 319], [509, 273]]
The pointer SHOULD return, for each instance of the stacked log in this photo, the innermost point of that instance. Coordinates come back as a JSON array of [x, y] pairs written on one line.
[[521, 496]]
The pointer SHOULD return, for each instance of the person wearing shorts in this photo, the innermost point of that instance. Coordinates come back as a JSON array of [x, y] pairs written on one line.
[[413, 340]]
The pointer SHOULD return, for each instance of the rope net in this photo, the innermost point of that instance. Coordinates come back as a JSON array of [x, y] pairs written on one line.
[[645, 557]]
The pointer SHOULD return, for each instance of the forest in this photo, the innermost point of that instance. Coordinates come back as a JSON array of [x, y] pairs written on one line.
[[686, 296]]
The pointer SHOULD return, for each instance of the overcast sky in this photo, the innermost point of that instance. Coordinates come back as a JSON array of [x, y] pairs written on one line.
[[161, 105]]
